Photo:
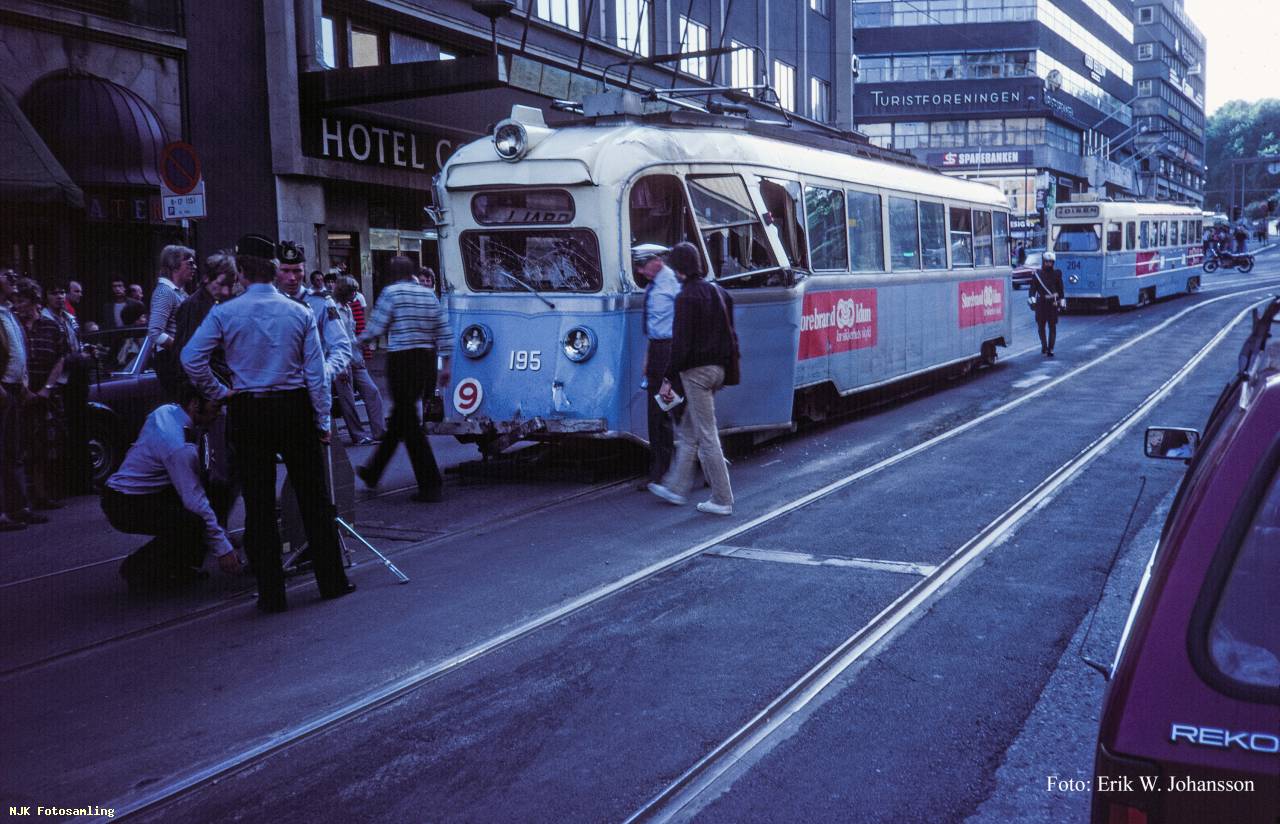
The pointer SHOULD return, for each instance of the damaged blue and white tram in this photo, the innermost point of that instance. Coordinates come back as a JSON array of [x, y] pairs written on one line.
[[851, 268]]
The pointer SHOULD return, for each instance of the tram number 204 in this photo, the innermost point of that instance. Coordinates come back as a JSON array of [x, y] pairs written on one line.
[[522, 360]]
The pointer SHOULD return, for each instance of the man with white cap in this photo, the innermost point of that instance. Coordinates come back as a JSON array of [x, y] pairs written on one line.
[[1048, 295], [661, 288]]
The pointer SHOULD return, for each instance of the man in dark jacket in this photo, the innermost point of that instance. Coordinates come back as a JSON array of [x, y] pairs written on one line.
[[1049, 296], [702, 348]]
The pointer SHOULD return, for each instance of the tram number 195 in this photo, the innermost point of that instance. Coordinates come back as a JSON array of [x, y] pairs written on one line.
[[525, 359]]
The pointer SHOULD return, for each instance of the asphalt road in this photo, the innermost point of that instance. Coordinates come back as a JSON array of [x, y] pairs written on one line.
[[568, 648]]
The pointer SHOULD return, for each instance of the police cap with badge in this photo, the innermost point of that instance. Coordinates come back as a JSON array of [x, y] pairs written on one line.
[[289, 252]]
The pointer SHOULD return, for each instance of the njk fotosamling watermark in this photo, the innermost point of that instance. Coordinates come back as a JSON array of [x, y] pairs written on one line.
[[63, 812], [1146, 783]]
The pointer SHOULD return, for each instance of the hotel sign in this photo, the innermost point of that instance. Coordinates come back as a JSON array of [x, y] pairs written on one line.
[[372, 144]]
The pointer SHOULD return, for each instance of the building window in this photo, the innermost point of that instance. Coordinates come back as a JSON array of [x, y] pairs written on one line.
[[561, 12], [821, 7], [693, 38], [819, 100], [1144, 88], [880, 134], [784, 83], [366, 47], [1146, 51], [742, 69], [1146, 14], [328, 44], [632, 19]]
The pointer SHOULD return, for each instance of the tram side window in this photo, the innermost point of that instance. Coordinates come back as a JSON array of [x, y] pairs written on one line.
[[1131, 235], [982, 254], [1115, 238], [1185, 237], [825, 216], [866, 241], [933, 236], [659, 213], [1163, 236], [1145, 227], [961, 237], [1002, 238], [782, 200], [904, 234], [732, 230]]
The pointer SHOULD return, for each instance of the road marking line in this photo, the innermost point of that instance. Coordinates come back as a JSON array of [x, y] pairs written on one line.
[[157, 794], [711, 767], [1027, 383], [779, 556]]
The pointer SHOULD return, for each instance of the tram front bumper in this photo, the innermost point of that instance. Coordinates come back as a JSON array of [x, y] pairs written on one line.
[[495, 436]]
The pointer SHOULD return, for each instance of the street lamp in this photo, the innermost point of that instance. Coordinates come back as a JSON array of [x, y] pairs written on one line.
[[494, 10]]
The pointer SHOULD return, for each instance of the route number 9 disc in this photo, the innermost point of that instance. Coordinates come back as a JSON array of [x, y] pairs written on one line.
[[467, 396]]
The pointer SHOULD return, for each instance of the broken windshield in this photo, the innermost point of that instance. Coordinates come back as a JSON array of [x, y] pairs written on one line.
[[543, 260]]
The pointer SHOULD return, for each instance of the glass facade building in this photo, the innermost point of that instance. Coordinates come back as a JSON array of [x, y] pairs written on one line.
[[1034, 96], [1168, 107]]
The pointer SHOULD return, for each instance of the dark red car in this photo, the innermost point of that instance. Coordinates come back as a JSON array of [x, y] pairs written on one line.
[[1022, 274], [1190, 728]]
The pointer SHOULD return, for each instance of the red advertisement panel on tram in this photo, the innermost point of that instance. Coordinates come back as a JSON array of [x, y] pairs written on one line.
[[838, 321], [981, 301]]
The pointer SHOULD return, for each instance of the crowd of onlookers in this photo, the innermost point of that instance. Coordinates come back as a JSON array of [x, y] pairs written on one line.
[[46, 365], [44, 386]]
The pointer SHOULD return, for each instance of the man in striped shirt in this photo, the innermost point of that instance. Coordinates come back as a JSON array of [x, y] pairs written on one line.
[[417, 332]]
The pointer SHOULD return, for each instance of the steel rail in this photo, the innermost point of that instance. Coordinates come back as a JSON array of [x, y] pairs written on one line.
[[239, 599], [158, 795], [707, 771]]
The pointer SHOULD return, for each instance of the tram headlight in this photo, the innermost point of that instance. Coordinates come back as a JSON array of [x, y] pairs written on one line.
[[510, 140], [477, 340], [579, 344]]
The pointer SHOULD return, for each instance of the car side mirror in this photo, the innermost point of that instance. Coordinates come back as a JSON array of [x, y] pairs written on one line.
[[1171, 443]]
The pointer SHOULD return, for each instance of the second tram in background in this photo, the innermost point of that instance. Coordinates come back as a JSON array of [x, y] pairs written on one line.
[[849, 268], [1124, 253]]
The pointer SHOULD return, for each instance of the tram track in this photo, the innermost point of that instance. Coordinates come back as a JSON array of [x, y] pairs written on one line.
[[241, 597], [158, 796], [704, 775]]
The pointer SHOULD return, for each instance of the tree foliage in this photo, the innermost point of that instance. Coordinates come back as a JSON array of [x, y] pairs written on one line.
[[1242, 130]]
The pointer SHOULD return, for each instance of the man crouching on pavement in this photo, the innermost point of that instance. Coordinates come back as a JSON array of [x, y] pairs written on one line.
[[158, 491]]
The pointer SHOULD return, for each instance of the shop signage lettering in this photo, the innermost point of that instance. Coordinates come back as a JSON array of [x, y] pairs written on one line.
[[356, 142], [1007, 157], [110, 208], [981, 301], [1058, 106], [837, 322], [959, 99]]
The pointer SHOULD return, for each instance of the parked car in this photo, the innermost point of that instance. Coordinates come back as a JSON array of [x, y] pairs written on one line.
[[1022, 274], [1189, 728], [123, 389]]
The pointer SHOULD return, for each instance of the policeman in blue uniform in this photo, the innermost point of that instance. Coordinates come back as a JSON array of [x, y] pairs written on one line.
[[333, 334], [278, 404]]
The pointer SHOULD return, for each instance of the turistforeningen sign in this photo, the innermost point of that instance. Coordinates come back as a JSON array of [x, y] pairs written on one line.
[[958, 100]]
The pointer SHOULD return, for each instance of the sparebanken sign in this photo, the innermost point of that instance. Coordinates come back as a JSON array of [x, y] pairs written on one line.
[[981, 157]]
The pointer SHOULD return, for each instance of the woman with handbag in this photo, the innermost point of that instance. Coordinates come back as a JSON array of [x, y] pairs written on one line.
[[704, 358]]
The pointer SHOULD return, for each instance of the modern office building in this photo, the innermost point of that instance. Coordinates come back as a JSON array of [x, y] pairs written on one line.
[[1033, 96], [1168, 107], [323, 121]]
